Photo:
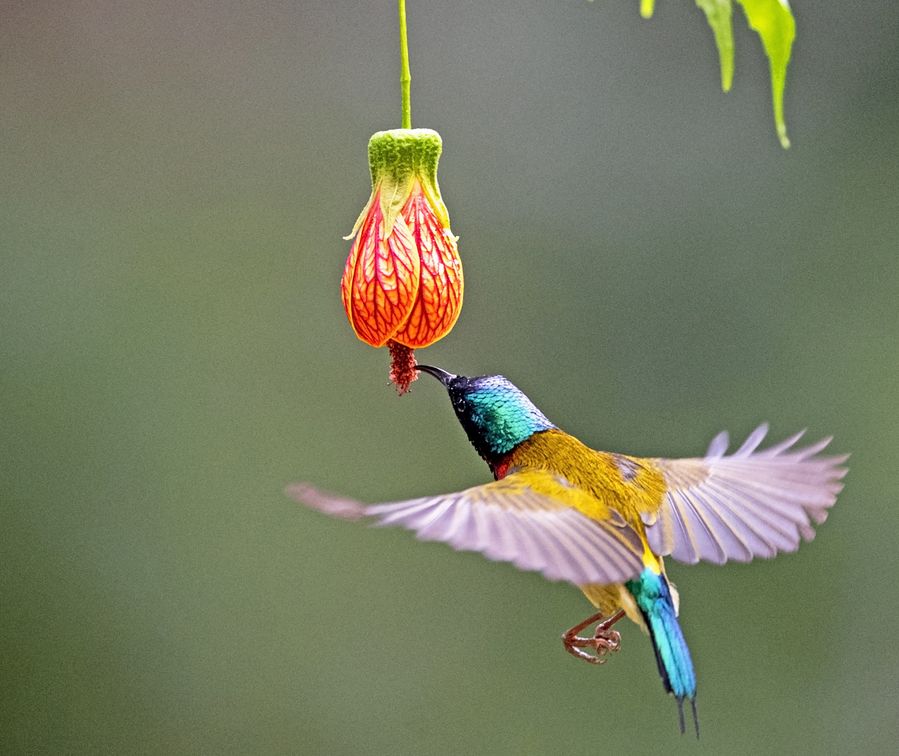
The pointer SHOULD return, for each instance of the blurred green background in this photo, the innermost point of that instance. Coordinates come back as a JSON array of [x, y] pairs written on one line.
[[641, 257]]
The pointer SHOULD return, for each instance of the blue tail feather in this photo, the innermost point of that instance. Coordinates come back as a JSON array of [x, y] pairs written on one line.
[[654, 600]]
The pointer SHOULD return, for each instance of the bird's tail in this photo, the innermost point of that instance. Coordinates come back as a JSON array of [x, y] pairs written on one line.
[[653, 597]]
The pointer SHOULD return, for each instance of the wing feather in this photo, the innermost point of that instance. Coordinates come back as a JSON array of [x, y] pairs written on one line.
[[510, 521], [752, 503], [735, 543], [778, 520], [702, 540], [752, 441]]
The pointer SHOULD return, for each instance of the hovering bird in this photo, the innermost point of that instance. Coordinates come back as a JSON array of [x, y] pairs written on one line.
[[604, 521]]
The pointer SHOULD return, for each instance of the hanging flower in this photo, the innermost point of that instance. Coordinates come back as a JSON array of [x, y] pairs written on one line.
[[402, 285]]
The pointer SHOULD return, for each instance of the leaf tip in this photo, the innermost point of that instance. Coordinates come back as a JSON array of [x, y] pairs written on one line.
[[727, 80], [782, 136]]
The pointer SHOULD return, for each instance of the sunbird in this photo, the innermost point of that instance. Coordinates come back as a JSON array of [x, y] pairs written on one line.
[[604, 521]]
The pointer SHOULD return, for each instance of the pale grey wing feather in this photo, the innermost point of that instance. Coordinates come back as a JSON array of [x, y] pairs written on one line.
[[506, 521], [752, 503], [719, 445]]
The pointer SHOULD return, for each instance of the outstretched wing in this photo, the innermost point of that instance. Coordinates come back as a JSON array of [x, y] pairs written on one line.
[[745, 505], [508, 520]]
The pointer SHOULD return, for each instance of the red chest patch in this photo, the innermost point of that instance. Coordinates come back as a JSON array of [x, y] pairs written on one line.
[[501, 468]]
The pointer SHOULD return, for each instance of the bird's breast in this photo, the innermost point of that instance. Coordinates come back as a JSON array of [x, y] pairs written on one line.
[[628, 485]]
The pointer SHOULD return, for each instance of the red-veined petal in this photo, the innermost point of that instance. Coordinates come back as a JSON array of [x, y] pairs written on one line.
[[439, 299], [381, 277]]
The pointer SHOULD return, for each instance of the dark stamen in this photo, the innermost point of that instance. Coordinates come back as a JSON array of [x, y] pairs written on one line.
[[402, 366]]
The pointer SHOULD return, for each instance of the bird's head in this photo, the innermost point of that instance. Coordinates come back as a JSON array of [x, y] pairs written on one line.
[[495, 413]]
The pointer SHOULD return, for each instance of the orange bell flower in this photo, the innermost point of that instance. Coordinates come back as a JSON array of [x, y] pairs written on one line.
[[402, 284]]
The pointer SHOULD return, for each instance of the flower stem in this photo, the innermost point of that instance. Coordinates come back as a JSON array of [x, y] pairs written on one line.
[[405, 75]]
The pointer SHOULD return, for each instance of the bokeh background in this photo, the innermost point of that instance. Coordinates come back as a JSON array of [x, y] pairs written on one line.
[[641, 257]]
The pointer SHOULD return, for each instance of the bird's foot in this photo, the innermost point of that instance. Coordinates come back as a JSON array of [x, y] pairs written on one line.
[[601, 645], [604, 640]]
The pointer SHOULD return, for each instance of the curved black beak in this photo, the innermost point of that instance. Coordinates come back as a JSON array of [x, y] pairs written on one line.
[[440, 375]]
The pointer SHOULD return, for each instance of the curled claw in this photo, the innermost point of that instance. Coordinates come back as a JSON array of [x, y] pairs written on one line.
[[602, 643], [608, 641], [604, 640]]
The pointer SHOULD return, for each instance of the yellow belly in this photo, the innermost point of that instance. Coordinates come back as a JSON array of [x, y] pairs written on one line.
[[610, 598], [614, 596]]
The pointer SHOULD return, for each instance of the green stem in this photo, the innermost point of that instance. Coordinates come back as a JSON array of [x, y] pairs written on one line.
[[405, 75]]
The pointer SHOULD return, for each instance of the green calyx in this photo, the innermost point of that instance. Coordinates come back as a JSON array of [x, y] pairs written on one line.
[[400, 153], [398, 159]]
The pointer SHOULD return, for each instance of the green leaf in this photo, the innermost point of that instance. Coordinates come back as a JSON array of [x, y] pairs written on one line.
[[773, 21], [719, 14]]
